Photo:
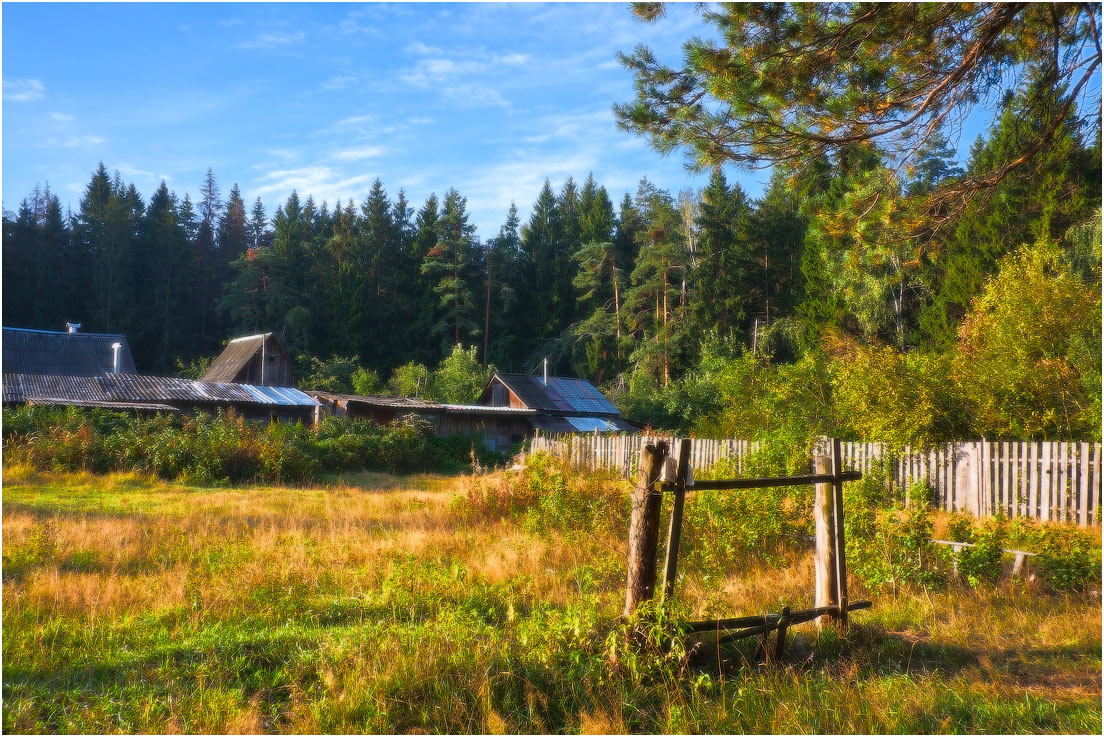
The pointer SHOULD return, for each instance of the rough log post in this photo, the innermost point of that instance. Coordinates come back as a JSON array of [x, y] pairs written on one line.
[[644, 528], [783, 623], [674, 534], [837, 532], [824, 560]]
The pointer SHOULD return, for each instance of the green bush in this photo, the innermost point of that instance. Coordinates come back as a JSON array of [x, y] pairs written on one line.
[[226, 448], [1067, 559], [890, 545], [981, 562]]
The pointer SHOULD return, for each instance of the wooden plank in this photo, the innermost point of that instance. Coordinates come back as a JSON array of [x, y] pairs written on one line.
[[838, 534], [1045, 478], [1005, 496], [1063, 480], [674, 535], [1025, 479], [1083, 485], [1094, 483], [824, 564], [984, 479], [1033, 481]]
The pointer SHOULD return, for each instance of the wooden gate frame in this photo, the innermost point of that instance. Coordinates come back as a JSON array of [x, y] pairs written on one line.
[[644, 539]]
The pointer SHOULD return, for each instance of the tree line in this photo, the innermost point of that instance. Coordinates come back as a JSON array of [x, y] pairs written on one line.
[[638, 296]]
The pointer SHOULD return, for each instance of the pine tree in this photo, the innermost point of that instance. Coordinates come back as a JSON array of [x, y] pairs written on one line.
[[653, 310], [450, 264], [549, 302], [168, 302], [502, 261]]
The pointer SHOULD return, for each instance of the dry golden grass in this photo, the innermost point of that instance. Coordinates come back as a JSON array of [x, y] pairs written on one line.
[[132, 605]]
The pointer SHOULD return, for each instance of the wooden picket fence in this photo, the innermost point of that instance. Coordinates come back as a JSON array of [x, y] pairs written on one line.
[[1052, 481]]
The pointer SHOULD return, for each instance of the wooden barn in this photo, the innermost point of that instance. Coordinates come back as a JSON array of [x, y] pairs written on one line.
[[256, 360], [511, 408], [499, 427]]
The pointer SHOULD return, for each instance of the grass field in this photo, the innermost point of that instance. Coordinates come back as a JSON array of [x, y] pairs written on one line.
[[383, 604]]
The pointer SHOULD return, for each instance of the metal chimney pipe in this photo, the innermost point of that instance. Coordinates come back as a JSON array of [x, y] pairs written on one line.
[[73, 327], [115, 357], [546, 371]]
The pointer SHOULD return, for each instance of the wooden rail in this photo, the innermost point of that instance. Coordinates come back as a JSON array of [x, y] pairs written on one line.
[[831, 560]]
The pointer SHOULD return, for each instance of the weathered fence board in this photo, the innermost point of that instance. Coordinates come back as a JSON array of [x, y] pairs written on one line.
[[1044, 481]]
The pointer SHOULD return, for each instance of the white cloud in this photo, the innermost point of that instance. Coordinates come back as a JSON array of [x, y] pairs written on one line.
[[75, 141], [285, 154], [419, 48], [438, 66], [475, 96], [271, 40], [362, 124], [62, 117], [573, 126], [320, 182], [129, 170], [333, 84], [24, 90], [363, 152]]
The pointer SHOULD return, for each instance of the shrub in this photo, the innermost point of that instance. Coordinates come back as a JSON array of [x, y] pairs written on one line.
[[225, 448], [889, 545], [981, 562], [1067, 559]]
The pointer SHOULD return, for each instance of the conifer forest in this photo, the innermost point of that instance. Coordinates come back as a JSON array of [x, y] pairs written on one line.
[[901, 299]]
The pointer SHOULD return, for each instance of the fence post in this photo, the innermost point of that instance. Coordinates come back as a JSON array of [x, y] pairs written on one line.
[[675, 532], [644, 528], [824, 559], [837, 532]]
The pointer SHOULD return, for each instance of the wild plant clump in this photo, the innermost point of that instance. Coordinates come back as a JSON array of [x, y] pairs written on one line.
[[549, 494], [889, 544], [224, 448]]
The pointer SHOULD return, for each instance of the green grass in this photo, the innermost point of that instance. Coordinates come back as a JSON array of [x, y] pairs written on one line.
[[380, 604]]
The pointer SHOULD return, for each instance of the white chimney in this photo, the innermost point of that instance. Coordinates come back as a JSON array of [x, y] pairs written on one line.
[[546, 371], [115, 357], [73, 327]]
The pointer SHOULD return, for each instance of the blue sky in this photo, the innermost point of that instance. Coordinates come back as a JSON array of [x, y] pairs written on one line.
[[323, 98]]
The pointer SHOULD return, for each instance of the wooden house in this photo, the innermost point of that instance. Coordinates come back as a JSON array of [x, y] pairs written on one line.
[[559, 404], [256, 360]]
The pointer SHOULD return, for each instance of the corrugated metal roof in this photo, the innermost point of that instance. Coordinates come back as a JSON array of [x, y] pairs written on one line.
[[581, 424], [136, 388], [582, 396], [487, 410], [561, 395], [234, 357], [278, 395], [417, 405], [388, 401], [29, 351], [63, 402]]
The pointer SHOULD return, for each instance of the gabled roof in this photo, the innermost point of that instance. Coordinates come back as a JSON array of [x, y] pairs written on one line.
[[30, 351], [560, 395], [234, 357]]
